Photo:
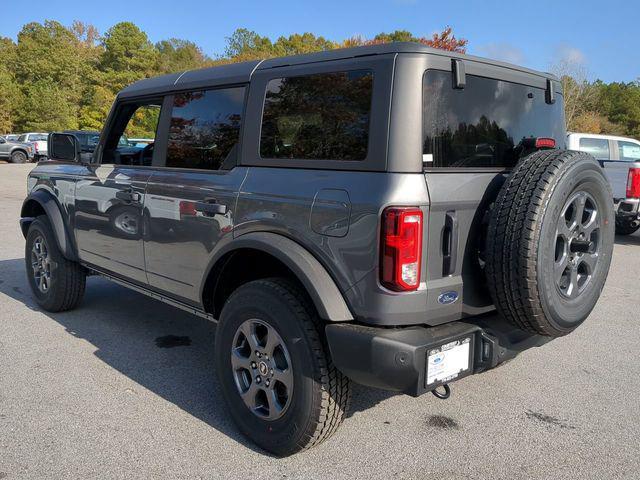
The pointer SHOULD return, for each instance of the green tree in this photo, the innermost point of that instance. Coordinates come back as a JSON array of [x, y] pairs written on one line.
[[10, 94], [176, 55], [45, 108], [128, 56]]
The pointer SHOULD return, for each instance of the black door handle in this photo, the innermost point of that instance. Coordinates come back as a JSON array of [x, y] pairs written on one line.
[[210, 208], [449, 243], [128, 195]]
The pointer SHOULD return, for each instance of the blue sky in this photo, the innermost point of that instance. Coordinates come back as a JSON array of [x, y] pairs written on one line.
[[602, 36]]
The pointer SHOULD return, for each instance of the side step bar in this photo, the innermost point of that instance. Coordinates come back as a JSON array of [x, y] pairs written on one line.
[[154, 295]]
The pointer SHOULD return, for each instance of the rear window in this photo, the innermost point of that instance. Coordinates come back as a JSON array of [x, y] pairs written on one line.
[[628, 151], [598, 147], [317, 117], [483, 124], [38, 138]]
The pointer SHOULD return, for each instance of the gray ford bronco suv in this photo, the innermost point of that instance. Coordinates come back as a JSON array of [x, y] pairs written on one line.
[[393, 215]]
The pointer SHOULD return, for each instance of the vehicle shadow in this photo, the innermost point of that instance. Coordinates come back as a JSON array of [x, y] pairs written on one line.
[[163, 349], [628, 239]]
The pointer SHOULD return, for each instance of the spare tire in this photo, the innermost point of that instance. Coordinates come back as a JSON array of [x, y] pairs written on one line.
[[550, 241]]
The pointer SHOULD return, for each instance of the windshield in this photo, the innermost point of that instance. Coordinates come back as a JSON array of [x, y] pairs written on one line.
[[124, 141]]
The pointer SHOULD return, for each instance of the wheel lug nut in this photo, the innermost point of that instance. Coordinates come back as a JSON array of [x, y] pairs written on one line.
[[258, 354], [258, 379], [267, 382], [253, 365], [271, 371]]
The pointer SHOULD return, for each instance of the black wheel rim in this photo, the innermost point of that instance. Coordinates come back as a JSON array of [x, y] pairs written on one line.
[[262, 369], [41, 264], [578, 245]]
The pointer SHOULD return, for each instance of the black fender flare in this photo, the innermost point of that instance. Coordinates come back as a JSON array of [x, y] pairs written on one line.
[[322, 289], [52, 209]]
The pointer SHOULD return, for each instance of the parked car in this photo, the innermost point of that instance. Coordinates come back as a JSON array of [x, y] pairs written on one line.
[[393, 215], [620, 158], [39, 142], [15, 152]]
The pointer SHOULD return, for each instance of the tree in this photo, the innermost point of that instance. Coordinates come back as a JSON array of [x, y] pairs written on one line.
[[10, 95], [128, 56], [176, 55], [444, 40], [577, 91]]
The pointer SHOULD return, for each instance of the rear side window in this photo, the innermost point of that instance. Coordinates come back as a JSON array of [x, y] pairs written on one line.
[[317, 117], [628, 151], [598, 147], [205, 128], [483, 124]]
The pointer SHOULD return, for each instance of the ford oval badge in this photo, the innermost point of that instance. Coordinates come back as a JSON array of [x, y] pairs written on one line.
[[447, 298]]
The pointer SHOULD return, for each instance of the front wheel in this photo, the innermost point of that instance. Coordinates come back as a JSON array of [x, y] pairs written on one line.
[[280, 386], [57, 283]]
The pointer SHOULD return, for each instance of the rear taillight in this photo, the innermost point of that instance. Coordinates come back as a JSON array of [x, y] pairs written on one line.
[[35, 148], [187, 208], [401, 248], [633, 183]]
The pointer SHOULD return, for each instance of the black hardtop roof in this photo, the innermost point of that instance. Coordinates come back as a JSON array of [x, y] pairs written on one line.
[[235, 73]]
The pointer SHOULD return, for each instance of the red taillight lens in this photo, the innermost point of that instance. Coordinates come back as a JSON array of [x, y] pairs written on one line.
[[187, 208], [35, 147], [542, 142], [401, 248], [633, 183]]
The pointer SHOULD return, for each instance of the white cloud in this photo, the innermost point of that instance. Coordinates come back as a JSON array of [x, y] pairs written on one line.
[[503, 51], [568, 54]]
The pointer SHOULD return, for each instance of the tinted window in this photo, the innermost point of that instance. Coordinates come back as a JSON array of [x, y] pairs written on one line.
[[38, 137], [483, 124], [320, 117], [22, 138], [628, 151], [598, 147], [205, 126]]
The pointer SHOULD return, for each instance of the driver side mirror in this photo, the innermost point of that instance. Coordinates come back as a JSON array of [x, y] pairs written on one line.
[[63, 147]]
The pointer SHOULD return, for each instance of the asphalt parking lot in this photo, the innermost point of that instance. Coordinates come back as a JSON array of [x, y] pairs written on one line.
[[100, 392]]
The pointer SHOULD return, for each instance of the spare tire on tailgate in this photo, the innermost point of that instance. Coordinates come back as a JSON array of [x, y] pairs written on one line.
[[550, 241]]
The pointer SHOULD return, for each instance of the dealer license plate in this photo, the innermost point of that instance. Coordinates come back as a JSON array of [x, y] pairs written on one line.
[[447, 362]]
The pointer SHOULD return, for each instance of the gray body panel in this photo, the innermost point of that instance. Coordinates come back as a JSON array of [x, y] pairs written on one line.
[[319, 218]]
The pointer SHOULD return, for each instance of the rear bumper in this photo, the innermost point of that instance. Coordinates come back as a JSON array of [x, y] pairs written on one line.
[[396, 359], [628, 208]]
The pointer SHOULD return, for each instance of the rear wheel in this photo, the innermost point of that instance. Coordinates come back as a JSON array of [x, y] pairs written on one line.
[[550, 241], [57, 283], [18, 157], [281, 388]]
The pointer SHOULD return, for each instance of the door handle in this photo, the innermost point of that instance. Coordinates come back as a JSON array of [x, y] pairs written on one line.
[[449, 244], [209, 207], [128, 196]]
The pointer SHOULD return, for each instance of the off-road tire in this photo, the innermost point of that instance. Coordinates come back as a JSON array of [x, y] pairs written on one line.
[[321, 393], [68, 278], [522, 236], [624, 227], [18, 157]]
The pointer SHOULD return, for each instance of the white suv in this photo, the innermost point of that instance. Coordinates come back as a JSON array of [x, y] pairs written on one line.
[[39, 142], [620, 159]]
